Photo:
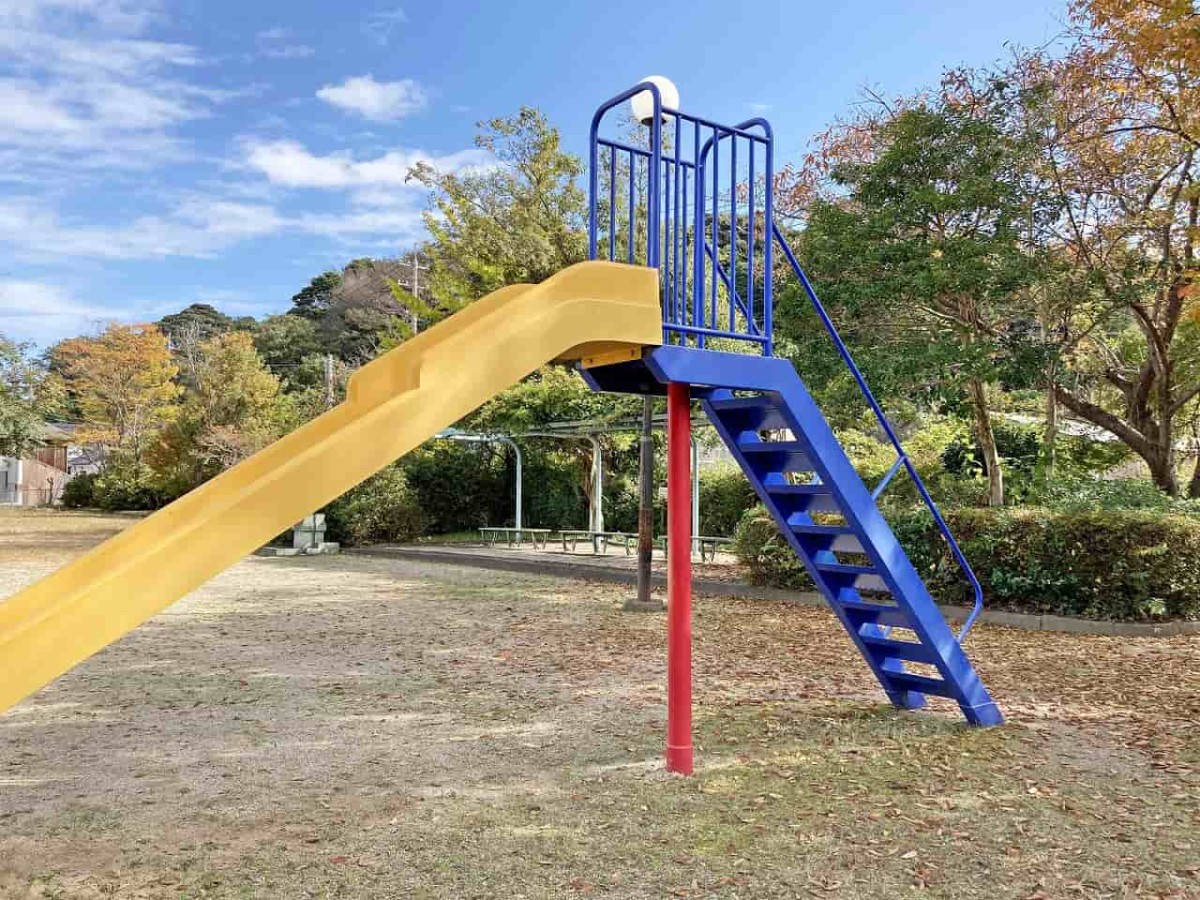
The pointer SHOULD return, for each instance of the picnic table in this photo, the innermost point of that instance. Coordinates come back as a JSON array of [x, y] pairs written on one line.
[[513, 536]]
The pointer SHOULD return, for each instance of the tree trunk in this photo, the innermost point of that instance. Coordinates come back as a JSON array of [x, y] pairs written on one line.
[[644, 600], [1162, 470], [987, 441], [1050, 437], [1194, 484], [1157, 449]]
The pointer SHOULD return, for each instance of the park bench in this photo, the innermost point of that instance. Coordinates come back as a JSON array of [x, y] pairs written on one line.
[[512, 536], [707, 543], [598, 539]]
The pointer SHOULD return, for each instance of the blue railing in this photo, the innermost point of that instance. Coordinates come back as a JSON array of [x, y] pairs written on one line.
[[695, 203], [902, 458]]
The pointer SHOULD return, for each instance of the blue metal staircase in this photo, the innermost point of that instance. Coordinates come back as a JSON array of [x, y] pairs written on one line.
[[828, 516], [713, 240]]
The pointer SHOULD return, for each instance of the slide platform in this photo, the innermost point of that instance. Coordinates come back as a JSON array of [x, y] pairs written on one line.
[[589, 311]]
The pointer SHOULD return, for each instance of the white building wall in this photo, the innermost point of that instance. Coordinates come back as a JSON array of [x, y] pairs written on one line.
[[10, 480]]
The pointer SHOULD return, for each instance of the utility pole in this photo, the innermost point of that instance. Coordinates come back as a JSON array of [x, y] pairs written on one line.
[[643, 600], [414, 288], [330, 399]]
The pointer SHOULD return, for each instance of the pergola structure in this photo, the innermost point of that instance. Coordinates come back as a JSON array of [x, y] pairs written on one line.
[[586, 430]]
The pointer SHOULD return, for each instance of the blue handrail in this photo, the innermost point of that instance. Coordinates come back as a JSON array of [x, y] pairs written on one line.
[[902, 456]]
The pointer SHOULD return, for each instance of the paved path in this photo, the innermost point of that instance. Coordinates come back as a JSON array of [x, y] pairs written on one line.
[[723, 578]]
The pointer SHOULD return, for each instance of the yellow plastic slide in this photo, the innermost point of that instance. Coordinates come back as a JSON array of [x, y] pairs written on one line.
[[590, 310]]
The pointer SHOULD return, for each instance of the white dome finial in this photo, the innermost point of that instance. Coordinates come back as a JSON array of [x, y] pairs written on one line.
[[642, 104]]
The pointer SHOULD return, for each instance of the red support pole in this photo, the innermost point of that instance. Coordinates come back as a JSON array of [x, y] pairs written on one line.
[[679, 579]]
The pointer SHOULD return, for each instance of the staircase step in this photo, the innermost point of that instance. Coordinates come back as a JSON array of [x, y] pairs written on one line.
[[907, 681], [812, 497], [750, 413], [909, 650], [863, 613], [839, 538], [789, 456], [863, 578]]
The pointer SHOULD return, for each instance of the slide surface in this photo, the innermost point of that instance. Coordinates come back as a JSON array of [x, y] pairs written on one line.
[[393, 404]]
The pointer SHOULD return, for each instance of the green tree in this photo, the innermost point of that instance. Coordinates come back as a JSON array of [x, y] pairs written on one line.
[[519, 221], [232, 409], [314, 299], [285, 342], [200, 320], [1119, 165], [28, 395], [924, 249]]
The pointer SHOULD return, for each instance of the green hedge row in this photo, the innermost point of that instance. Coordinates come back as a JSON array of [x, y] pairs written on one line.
[[383, 509], [1115, 564]]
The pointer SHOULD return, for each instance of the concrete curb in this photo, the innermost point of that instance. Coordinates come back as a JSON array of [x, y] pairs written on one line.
[[743, 591]]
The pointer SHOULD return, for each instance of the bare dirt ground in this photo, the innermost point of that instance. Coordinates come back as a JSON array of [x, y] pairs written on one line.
[[365, 727]]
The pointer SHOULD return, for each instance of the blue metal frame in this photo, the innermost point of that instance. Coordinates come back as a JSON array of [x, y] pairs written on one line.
[[691, 305], [684, 196], [712, 290]]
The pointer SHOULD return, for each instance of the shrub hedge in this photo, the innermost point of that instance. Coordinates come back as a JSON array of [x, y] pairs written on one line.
[[1127, 565], [113, 490], [80, 491], [725, 495], [382, 508]]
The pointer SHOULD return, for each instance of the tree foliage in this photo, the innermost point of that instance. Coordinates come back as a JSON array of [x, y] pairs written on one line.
[[122, 383], [1038, 222], [201, 320], [286, 343], [231, 411], [314, 299], [28, 396], [519, 220], [1121, 134], [923, 247]]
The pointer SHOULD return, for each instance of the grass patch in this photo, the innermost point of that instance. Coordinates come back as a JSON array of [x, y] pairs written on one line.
[[360, 726]]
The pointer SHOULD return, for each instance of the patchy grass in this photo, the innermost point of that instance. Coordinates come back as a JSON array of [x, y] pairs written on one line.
[[367, 727], [40, 536]]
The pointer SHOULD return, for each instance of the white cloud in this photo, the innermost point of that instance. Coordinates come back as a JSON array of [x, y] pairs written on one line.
[[43, 312], [119, 15], [28, 298], [291, 164], [197, 227], [380, 101], [80, 89], [379, 26], [277, 43], [202, 227]]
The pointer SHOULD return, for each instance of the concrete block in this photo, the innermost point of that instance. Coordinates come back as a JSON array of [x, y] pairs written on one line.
[[309, 532], [278, 551]]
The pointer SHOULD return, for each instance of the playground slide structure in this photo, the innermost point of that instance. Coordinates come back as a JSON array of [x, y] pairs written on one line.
[[393, 405], [658, 310]]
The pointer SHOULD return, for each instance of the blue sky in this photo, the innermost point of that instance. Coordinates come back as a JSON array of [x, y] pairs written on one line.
[[156, 153]]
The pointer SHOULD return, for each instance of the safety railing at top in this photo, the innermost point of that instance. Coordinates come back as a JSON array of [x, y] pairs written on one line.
[[902, 458], [696, 203]]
